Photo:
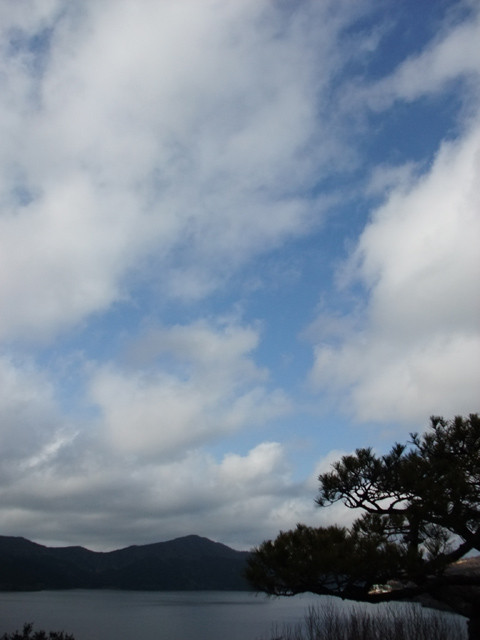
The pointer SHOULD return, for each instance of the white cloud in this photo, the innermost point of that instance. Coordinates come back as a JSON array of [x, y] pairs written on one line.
[[164, 137], [238, 500], [27, 16], [61, 257], [168, 137], [386, 177], [209, 385], [452, 56], [29, 418], [64, 484], [417, 351], [258, 465]]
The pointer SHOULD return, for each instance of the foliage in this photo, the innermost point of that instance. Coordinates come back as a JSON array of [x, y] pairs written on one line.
[[330, 623], [29, 634], [421, 512], [321, 560], [424, 496]]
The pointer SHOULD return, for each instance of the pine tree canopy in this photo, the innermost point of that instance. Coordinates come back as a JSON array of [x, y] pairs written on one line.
[[420, 513]]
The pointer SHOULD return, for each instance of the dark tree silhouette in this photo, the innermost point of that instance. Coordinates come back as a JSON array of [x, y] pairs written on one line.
[[29, 634], [421, 514]]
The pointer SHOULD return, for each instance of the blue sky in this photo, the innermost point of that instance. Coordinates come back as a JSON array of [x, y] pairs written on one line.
[[238, 238]]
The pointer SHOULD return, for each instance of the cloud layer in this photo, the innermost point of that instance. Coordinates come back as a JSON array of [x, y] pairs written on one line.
[[173, 139], [416, 345], [208, 386], [163, 166]]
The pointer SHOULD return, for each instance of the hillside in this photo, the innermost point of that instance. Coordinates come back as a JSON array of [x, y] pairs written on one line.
[[188, 563]]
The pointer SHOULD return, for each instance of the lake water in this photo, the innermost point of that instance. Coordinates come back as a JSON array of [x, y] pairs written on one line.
[[159, 615]]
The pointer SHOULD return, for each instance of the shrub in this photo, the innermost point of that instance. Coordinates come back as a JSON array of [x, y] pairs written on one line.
[[410, 623], [29, 634]]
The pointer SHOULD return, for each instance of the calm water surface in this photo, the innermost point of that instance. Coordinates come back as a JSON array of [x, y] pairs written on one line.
[[141, 615], [158, 615]]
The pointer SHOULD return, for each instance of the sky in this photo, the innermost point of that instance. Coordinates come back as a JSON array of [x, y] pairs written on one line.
[[238, 239]]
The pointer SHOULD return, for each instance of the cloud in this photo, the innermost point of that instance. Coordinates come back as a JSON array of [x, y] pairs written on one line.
[[60, 260], [203, 383], [65, 484], [166, 141], [151, 151], [239, 500], [452, 56], [63, 481], [140, 470], [416, 347], [29, 419], [71, 482]]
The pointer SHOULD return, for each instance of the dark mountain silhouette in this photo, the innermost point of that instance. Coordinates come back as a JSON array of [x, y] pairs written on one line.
[[188, 563]]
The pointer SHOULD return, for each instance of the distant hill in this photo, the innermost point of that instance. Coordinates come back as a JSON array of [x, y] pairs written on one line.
[[188, 563]]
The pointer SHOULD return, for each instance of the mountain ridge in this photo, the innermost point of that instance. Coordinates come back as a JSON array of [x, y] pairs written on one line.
[[186, 563]]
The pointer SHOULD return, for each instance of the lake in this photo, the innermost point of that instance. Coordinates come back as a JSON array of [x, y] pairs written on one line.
[[157, 615]]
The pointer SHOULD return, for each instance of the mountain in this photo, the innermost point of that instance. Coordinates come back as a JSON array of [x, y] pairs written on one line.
[[188, 563]]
